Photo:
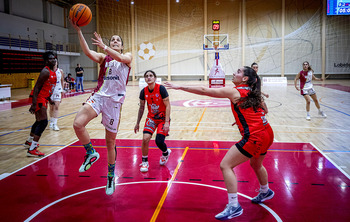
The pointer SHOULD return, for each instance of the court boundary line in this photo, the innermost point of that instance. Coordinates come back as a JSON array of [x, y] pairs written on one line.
[[273, 213], [167, 189], [41, 158], [330, 160]]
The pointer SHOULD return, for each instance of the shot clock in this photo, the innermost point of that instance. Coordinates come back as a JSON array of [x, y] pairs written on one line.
[[216, 25]]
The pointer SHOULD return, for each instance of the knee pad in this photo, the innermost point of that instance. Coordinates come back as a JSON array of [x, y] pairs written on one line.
[[40, 127], [34, 127], [160, 142]]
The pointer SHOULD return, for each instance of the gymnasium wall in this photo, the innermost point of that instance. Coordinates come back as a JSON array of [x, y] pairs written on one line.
[[261, 32]]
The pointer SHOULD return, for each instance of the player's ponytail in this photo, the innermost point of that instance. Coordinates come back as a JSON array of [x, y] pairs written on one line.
[[254, 98]]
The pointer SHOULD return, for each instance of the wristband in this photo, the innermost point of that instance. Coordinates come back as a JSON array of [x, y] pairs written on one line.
[[105, 48]]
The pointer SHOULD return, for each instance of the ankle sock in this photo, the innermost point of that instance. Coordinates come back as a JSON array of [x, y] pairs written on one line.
[[89, 149]]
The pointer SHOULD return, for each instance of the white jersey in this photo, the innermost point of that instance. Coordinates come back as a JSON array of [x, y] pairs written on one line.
[[308, 82], [112, 79], [58, 87]]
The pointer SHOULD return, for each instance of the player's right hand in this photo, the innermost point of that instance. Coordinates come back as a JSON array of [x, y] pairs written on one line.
[[136, 128], [32, 108]]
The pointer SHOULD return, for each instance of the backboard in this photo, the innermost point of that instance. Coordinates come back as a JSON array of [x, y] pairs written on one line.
[[216, 42]]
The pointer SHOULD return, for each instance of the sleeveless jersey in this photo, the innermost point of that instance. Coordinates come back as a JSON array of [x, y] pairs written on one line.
[[48, 87], [305, 79], [112, 79], [155, 104], [248, 120], [58, 87]]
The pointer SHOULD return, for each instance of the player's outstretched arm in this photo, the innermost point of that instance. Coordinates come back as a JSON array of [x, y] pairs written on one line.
[[225, 92]]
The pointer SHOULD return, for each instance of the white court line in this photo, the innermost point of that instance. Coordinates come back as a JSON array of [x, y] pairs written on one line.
[[339, 168], [273, 213], [39, 158]]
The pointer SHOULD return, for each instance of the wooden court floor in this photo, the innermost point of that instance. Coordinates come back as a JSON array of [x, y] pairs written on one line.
[[286, 116], [194, 118]]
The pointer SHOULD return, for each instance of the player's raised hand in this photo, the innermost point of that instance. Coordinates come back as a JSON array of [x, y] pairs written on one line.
[[74, 25], [98, 40]]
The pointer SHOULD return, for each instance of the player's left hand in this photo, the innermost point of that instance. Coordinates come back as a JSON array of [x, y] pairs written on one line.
[[166, 127], [171, 86], [98, 40]]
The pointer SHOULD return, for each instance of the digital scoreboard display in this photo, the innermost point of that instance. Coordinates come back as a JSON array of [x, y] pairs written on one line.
[[338, 7], [216, 25]]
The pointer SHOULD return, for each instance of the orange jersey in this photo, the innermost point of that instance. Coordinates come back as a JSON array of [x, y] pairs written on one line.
[[248, 121], [48, 87], [155, 104]]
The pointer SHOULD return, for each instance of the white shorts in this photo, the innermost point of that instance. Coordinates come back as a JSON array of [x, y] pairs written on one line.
[[110, 111], [56, 96], [309, 91]]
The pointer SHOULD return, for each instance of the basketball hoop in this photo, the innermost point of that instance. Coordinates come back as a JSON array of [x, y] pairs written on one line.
[[216, 48]]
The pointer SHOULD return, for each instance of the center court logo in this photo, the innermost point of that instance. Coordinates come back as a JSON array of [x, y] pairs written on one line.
[[201, 103]]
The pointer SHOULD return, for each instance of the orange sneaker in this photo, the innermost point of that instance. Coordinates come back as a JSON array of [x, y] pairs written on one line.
[[35, 153]]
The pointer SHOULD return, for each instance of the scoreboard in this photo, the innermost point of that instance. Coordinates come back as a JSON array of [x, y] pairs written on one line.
[[338, 7]]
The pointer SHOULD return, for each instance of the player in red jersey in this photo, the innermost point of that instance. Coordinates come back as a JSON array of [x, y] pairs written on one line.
[[257, 135], [158, 118], [39, 97], [306, 88]]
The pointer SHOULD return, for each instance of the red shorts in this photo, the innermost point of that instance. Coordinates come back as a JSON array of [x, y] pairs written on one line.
[[40, 102], [257, 144], [152, 124]]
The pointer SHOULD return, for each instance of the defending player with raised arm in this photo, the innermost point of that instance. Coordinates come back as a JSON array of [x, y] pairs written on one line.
[[306, 88], [158, 117], [257, 135], [107, 99]]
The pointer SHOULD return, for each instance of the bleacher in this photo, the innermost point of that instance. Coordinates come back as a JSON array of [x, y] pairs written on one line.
[[20, 43]]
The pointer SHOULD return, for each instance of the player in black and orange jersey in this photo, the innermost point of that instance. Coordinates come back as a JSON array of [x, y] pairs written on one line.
[[39, 97], [158, 118], [257, 135]]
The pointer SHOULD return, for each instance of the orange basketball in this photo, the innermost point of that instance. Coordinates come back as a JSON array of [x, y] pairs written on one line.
[[80, 14]]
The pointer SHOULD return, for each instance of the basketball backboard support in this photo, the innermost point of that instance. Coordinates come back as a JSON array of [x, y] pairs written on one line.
[[216, 42]]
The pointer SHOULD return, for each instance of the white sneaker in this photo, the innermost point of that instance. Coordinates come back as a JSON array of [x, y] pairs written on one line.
[[164, 159], [55, 127], [89, 159], [144, 167], [51, 125], [308, 117], [322, 114], [110, 188]]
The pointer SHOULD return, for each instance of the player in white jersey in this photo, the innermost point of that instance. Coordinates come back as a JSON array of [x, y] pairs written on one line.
[[107, 99], [306, 88], [56, 97]]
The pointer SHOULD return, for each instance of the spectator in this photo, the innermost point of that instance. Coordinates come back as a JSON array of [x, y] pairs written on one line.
[[79, 73]]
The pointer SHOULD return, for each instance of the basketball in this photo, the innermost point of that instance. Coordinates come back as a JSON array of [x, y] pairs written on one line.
[[80, 14]]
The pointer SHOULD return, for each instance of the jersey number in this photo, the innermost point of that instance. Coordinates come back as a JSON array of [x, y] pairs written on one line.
[[111, 122]]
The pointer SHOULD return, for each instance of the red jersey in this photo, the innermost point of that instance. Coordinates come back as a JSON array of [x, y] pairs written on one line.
[[248, 120], [155, 104], [48, 87]]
